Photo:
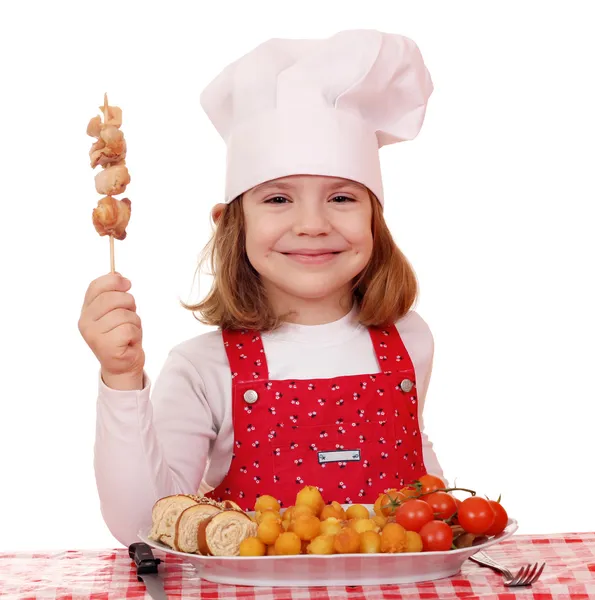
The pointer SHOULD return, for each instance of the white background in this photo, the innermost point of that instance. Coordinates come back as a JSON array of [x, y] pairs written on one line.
[[492, 203]]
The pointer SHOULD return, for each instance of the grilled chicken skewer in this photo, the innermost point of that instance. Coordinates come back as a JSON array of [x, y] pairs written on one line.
[[111, 216]]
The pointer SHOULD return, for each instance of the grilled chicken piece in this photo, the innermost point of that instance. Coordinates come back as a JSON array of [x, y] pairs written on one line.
[[94, 127], [113, 117], [111, 216], [109, 149], [112, 180]]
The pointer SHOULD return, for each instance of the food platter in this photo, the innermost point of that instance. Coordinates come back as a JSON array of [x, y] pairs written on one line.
[[331, 570]]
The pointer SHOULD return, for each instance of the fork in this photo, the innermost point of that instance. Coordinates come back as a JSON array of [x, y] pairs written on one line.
[[526, 575]]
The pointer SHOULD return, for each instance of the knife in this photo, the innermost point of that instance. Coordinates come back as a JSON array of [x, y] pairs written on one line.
[[146, 569]]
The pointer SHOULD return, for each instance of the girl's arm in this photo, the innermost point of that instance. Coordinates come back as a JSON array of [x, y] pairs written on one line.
[[430, 459], [150, 445]]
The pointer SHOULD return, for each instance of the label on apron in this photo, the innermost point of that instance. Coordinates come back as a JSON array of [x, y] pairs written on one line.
[[339, 456]]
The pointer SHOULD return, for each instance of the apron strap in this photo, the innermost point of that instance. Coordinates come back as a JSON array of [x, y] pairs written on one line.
[[390, 350], [245, 354], [247, 358]]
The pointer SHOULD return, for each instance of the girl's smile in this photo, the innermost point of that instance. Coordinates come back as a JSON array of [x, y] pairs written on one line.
[[312, 257]]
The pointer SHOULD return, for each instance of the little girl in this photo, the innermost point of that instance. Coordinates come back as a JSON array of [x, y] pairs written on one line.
[[318, 370]]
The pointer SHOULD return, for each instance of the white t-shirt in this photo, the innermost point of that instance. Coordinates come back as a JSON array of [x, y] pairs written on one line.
[[179, 437]]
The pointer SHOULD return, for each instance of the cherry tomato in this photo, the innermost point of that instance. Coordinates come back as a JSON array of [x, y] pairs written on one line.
[[500, 521], [443, 504], [408, 493], [476, 515], [390, 502], [431, 483], [414, 514], [436, 536]]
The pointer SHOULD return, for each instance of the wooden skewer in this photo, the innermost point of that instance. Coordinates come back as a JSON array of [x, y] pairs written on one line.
[[111, 237], [111, 254]]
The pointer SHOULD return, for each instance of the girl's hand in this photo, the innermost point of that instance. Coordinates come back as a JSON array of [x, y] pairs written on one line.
[[112, 329]]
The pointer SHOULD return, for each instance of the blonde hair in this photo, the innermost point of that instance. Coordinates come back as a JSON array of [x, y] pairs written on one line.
[[385, 290]]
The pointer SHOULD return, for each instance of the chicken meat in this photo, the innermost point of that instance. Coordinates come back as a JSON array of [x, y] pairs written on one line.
[[109, 149], [111, 216], [112, 180]]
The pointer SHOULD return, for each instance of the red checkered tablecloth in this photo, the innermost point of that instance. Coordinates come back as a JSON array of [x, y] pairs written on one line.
[[109, 575]]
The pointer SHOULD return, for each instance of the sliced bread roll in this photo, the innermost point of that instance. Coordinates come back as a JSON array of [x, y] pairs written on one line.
[[186, 532], [211, 502], [222, 534], [166, 515], [231, 504], [158, 509]]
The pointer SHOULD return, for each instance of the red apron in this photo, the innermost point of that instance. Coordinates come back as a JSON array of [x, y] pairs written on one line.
[[352, 436]]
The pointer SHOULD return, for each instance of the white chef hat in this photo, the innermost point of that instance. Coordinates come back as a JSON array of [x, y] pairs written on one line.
[[318, 107]]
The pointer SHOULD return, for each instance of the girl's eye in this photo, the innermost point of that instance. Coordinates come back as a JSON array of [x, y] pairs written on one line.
[[283, 199], [276, 200]]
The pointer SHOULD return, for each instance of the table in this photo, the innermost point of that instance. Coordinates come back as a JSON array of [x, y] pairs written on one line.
[[109, 575]]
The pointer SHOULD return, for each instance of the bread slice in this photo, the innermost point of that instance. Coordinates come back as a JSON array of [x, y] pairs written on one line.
[[222, 533], [158, 509], [224, 505], [186, 531], [165, 514], [227, 504], [211, 502]]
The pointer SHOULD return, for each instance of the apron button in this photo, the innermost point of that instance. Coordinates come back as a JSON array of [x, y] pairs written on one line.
[[250, 396], [406, 385]]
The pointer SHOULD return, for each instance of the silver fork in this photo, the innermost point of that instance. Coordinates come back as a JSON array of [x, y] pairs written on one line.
[[527, 575]]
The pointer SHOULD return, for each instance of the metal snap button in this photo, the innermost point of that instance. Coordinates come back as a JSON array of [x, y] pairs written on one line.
[[250, 396], [406, 385]]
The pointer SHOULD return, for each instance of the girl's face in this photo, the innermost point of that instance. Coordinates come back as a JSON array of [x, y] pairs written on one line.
[[308, 236]]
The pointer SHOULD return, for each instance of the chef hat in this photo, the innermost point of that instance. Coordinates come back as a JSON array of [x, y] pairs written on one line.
[[318, 107]]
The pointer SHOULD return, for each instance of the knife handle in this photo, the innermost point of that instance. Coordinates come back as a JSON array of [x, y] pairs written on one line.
[[143, 558]]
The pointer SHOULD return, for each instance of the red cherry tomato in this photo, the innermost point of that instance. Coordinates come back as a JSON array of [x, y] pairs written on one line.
[[476, 515], [414, 514], [431, 483], [436, 536], [443, 504], [500, 521]]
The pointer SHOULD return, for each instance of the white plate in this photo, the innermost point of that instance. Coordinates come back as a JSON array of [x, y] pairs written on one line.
[[333, 570]]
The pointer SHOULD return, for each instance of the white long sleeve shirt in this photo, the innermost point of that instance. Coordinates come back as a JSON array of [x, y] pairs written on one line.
[[178, 438]]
